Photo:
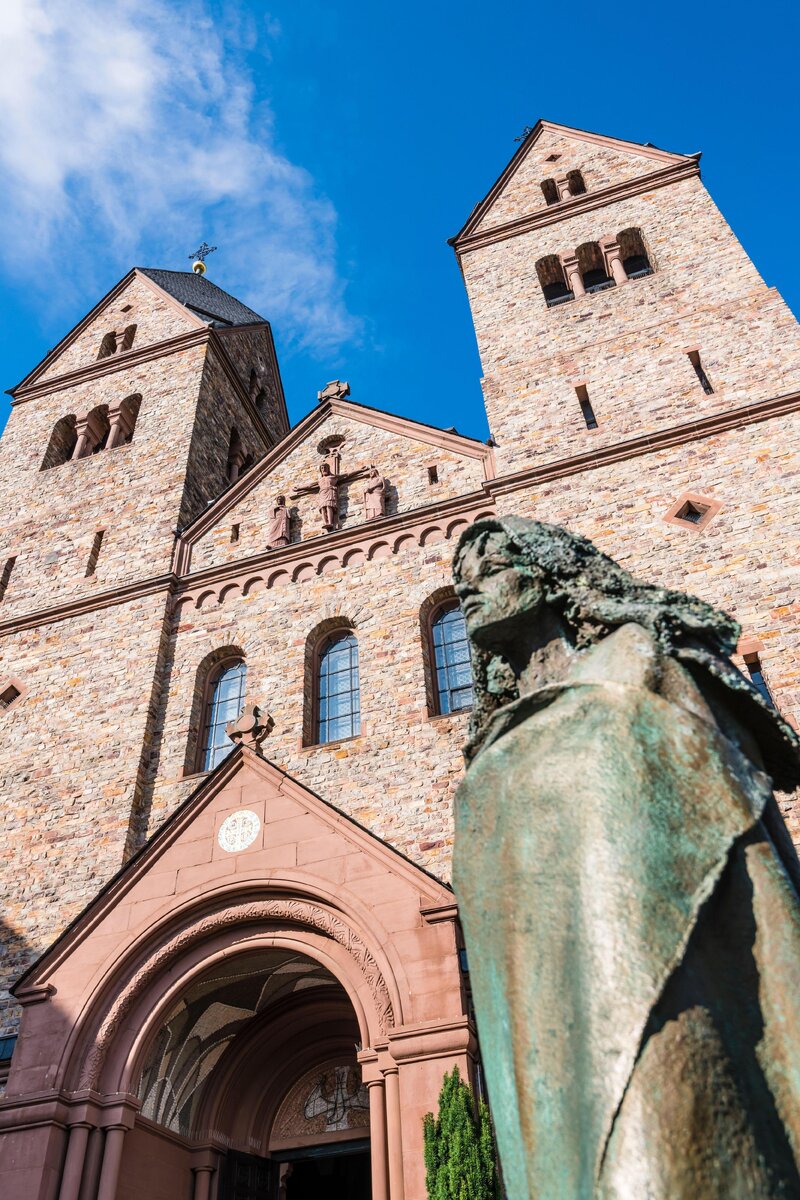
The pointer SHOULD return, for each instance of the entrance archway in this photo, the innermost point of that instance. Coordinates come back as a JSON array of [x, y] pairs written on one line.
[[257, 1062]]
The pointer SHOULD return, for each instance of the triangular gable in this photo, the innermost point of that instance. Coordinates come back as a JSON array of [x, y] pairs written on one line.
[[643, 160], [299, 833], [181, 320], [438, 439]]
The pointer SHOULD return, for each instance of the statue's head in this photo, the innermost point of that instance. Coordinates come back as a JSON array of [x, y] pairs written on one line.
[[507, 570]]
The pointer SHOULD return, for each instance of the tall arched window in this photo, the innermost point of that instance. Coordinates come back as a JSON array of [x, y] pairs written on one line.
[[633, 252], [224, 703], [338, 695], [555, 288], [451, 661], [62, 443], [593, 268]]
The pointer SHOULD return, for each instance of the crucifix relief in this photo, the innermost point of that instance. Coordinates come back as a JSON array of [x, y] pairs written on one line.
[[330, 477]]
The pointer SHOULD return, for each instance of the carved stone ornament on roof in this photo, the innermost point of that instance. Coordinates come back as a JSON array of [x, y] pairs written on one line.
[[250, 728], [279, 912], [337, 389]]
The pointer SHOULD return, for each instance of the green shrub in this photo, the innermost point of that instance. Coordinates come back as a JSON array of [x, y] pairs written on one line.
[[460, 1157]]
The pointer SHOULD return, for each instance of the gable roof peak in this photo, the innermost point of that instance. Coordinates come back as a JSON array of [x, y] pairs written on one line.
[[203, 298]]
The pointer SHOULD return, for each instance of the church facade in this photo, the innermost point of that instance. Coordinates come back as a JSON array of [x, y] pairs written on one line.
[[235, 683]]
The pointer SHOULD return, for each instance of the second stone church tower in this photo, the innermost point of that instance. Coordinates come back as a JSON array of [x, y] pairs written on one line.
[[234, 962]]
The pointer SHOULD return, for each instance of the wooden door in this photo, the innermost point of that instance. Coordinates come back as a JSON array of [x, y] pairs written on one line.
[[247, 1177]]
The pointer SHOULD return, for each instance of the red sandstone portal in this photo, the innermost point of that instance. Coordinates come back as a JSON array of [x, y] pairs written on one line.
[[262, 1004]]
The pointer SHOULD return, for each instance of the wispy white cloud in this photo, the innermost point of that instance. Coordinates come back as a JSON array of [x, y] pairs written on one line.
[[130, 128]]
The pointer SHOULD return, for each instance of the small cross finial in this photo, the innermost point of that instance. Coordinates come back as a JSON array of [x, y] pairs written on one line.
[[525, 133], [200, 255]]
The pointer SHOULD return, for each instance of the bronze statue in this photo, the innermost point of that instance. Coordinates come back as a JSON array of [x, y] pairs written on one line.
[[278, 533], [629, 894], [374, 494]]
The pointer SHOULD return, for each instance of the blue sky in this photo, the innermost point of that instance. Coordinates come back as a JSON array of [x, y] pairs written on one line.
[[329, 149]]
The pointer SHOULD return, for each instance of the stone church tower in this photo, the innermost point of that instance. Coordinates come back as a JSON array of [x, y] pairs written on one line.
[[234, 683]]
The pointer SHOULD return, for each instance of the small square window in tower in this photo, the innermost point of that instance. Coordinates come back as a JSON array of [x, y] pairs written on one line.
[[692, 511], [8, 696]]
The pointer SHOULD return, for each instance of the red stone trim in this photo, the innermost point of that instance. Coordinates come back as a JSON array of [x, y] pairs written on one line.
[[107, 366], [440, 520], [676, 435], [710, 506], [749, 647], [585, 202], [93, 603], [580, 135]]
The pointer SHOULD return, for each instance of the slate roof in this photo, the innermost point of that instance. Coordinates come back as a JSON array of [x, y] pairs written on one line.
[[205, 299]]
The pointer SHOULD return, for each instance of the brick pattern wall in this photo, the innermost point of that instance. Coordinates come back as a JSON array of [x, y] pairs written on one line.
[[628, 343], [155, 316], [403, 461], [602, 166]]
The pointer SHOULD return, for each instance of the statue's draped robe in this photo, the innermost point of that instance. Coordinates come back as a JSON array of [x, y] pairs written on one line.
[[634, 941]]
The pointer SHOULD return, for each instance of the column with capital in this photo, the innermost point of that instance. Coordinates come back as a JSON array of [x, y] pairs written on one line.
[[572, 274], [612, 254]]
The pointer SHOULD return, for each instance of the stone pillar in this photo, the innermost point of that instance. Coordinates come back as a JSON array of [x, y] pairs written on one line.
[[92, 1164], [202, 1182], [394, 1130], [377, 1139], [73, 1163], [613, 259], [562, 183], [119, 427], [82, 444], [112, 1157], [572, 274], [235, 465]]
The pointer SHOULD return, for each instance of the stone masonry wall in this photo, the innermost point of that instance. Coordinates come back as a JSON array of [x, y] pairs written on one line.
[[601, 165], [155, 316], [628, 344], [132, 491], [70, 768], [398, 776], [403, 461], [254, 350]]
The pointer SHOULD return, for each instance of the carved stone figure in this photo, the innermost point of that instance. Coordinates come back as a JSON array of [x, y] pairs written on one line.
[[374, 494], [328, 496], [628, 891], [278, 533]]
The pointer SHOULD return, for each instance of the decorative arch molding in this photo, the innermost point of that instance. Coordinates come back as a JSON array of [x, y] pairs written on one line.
[[284, 916]]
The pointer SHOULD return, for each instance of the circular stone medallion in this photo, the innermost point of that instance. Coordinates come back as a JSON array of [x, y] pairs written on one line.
[[238, 831]]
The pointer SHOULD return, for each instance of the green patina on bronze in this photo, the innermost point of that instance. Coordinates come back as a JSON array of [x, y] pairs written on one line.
[[628, 891]]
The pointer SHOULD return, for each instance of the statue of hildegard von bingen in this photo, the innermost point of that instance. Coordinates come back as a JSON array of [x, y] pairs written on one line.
[[628, 891]]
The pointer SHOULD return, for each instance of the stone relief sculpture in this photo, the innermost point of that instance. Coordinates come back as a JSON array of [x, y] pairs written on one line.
[[628, 891], [374, 494], [278, 532]]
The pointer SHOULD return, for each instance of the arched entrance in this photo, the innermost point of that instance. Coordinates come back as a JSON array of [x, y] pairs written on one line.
[[258, 1061], [213, 1025]]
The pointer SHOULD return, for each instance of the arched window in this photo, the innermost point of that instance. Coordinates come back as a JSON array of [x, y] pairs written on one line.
[[224, 702], [235, 456], [451, 661], [261, 402], [127, 338], [338, 691], [550, 191], [108, 346], [61, 445], [130, 412], [253, 387], [98, 429], [592, 265], [553, 283], [575, 183], [633, 253]]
